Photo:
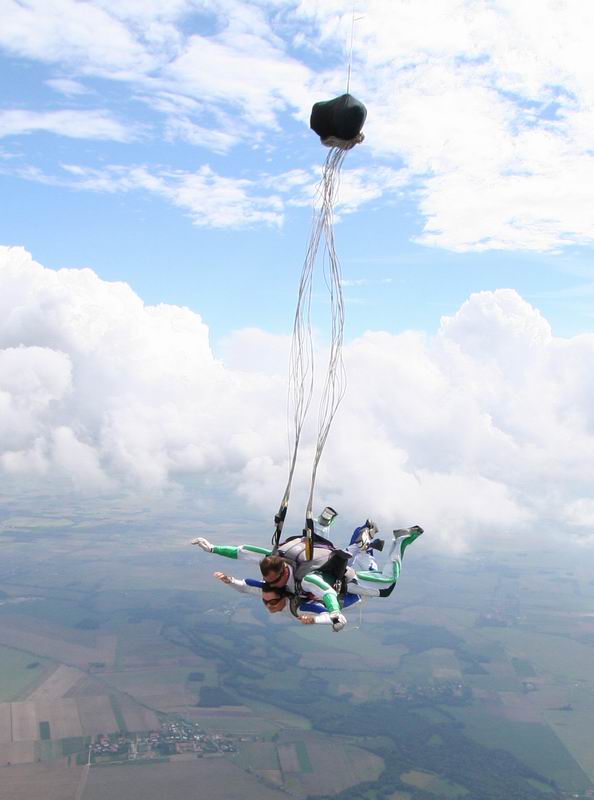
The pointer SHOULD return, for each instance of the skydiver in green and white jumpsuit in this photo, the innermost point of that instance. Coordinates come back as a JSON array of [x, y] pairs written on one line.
[[316, 584]]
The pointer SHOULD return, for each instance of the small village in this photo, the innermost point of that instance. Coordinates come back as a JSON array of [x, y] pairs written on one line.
[[446, 692], [176, 737]]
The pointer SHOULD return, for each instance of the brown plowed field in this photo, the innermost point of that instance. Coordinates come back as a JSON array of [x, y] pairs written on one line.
[[137, 717], [215, 779], [54, 642], [24, 722], [39, 782], [17, 753], [62, 716], [96, 715], [57, 684], [5, 724]]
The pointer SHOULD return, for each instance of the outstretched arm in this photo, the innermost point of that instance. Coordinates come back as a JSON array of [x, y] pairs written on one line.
[[243, 552], [247, 586], [316, 619]]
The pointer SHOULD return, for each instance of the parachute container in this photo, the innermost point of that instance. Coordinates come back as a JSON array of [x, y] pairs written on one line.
[[341, 118]]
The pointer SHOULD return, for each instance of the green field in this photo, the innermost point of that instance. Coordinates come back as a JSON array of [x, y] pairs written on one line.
[[280, 716], [542, 787], [533, 743], [303, 756], [289, 679], [117, 712], [17, 672], [574, 728], [563, 658], [523, 668], [429, 782], [364, 642], [357, 685], [138, 680], [258, 756], [64, 613], [430, 665], [494, 683], [49, 750], [254, 725]]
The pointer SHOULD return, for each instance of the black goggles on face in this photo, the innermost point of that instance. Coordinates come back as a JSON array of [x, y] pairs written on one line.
[[272, 602], [280, 575]]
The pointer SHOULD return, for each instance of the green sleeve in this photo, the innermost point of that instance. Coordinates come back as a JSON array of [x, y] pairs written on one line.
[[225, 550], [323, 590], [247, 552]]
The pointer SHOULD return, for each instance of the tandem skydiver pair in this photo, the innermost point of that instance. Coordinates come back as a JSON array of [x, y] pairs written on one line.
[[319, 589]]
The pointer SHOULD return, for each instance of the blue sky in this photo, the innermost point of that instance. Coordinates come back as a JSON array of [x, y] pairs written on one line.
[[165, 144], [131, 109]]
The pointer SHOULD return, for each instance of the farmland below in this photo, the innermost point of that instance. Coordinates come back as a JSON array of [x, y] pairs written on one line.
[[468, 681]]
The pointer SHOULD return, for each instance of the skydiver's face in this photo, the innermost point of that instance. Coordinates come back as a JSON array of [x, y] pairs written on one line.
[[273, 602], [278, 579]]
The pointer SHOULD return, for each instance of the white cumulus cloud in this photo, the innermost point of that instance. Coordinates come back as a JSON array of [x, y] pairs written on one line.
[[210, 199], [67, 86], [75, 124], [118, 391], [482, 432]]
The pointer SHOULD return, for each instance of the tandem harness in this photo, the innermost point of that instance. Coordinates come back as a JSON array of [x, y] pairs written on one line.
[[328, 561]]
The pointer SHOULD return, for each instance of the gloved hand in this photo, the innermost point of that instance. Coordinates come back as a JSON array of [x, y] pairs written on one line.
[[371, 527], [338, 621], [203, 544]]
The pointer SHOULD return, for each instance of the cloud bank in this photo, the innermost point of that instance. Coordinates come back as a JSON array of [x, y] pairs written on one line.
[[482, 432]]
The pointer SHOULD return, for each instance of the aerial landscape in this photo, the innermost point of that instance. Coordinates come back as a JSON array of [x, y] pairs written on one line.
[[482, 685], [296, 400]]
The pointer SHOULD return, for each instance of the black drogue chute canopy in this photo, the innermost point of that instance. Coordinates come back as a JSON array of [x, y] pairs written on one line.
[[341, 118]]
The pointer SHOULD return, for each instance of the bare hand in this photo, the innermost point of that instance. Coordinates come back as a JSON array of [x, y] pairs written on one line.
[[307, 620], [222, 577]]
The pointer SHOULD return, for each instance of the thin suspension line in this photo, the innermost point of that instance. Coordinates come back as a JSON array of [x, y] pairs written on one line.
[[348, 86]]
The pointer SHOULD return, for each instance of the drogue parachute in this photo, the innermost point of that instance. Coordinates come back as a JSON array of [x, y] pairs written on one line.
[[338, 123]]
